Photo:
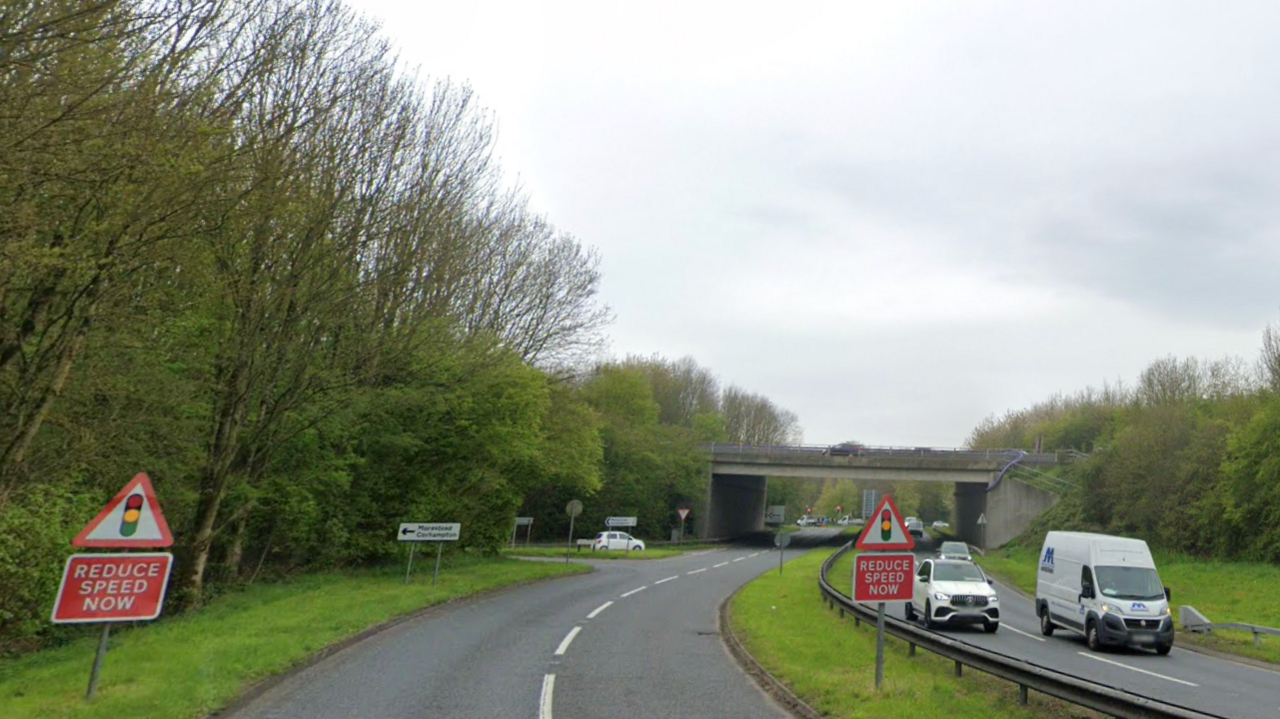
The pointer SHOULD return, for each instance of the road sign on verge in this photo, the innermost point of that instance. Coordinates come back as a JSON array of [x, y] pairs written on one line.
[[683, 513], [131, 520], [429, 532], [112, 588], [524, 521], [573, 508], [886, 530], [883, 577], [620, 522], [782, 540], [775, 514], [982, 519]]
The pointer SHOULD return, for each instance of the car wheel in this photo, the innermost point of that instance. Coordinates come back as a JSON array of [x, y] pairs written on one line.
[[928, 615], [992, 627], [636, 548], [1163, 649], [1046, 624], [910, 612], [1092, 638]]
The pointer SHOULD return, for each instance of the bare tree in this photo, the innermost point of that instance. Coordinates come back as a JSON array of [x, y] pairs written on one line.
[[754, 419], [1270, 356]]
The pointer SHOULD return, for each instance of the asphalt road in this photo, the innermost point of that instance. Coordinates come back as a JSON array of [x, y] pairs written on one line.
[[632, 639], [1184, 677]]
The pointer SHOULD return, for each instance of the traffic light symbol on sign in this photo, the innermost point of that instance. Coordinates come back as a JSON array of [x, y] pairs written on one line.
[[886, 525], [132, 513]]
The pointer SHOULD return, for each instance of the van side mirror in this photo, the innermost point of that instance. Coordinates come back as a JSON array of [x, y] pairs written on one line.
[[1086, 592], [1168, 595]]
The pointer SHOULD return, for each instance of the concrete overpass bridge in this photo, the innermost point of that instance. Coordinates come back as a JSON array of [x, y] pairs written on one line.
[[1003, 485]]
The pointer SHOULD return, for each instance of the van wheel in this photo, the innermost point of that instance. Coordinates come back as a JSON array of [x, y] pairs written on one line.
[[1163, 649], [910, 612], [1046, 624], [1091, 637]]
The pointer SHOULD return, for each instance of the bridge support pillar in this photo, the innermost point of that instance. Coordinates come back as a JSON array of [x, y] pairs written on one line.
[[735, 505]]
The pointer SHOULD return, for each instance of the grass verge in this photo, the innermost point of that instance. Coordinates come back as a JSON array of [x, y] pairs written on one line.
[[830, 664], [1223, 591], [654, 553], [192, 665]]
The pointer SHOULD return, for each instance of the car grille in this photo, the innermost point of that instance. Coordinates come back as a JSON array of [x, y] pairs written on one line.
[[968, 600], [1142, 623]]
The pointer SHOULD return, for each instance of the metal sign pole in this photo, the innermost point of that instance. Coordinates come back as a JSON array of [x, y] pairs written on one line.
[[514, 528], [528, 534], [409, 568], [439, 551], [569, 547], [97, 661], [681, 531], [879, 645]]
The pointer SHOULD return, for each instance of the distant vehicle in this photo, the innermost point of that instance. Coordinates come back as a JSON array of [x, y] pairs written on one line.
[[617, 540], [806, 521], [915, 527], [844, 449], [941, 525], [951, 593], [848, 520], [1105, 588], [955, 550]]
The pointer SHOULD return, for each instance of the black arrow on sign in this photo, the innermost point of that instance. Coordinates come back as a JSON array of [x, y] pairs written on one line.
[[405, 531]]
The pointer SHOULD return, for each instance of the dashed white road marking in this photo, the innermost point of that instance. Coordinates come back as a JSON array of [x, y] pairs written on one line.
[[633, 591], [1019, 631], [739, 559], [1144, 671], [754, 555], [544, 704], [564, 645], [599, 609], [697, 570], [660, 581], [720, 565]]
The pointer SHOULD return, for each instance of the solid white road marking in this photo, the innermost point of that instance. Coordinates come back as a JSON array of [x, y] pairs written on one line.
[[599, 609], [660, 581], [548, 688], [564, 646], [1019, 631], [1144, 671], [697, 570], [633, 591], [720, 565], [739, 559]]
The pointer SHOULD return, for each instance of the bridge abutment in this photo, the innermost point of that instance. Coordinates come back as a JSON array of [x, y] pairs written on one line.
[[735, 505]]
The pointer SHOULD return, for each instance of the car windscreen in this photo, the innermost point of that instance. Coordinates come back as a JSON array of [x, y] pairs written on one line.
[[1129, 583], [957, 573], [955, 548]]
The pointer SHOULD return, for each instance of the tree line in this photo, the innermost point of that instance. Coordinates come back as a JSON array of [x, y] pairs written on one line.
[[243, 251], [1188, 457]]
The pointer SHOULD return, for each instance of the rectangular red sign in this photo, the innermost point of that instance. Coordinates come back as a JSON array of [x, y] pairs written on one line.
[[112, 587], [883, 577]]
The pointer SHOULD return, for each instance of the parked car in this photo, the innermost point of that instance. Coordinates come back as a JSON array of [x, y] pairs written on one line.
[[915, 527], [848, 520], [1105, 588], [951, 593], [954, 550], [941, 525], [806, 521], [617, 540]]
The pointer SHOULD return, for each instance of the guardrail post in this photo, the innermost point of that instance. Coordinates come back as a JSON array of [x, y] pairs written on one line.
[[911, 649], [842, 612], [1257, 639], [959, 668], [1022, 694]]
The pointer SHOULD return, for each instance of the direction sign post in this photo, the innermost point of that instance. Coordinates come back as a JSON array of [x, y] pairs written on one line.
[[438, 532], [782, 540], [775, 514], [573, 509], [522, 522], [621, 522]]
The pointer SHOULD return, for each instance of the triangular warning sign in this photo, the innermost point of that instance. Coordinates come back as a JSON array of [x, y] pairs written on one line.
[[885, 529], [132, 519]]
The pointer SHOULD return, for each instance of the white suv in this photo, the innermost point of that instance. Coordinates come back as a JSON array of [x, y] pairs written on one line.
[[950, 592], [617, 540]]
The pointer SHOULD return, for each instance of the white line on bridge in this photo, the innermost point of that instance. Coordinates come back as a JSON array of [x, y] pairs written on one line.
[[599, 609], [660, 581], [720, 565], [564, 645], [1019, 631], [633, 591], [1144, 671], [544, 705], [697, 570]]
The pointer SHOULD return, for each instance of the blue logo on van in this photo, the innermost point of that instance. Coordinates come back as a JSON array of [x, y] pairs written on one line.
[[1138, 607], [1046, 563]]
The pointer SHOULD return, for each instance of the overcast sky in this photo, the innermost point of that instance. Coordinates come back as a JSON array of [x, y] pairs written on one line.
[[894, 218]]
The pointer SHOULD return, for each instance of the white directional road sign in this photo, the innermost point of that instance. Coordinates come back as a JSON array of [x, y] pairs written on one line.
[[620, 522], [429, 532], [523, 521], [775, 514]]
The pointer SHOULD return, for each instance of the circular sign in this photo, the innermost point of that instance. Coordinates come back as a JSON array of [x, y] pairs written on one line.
[[782, 540], [573, 508]]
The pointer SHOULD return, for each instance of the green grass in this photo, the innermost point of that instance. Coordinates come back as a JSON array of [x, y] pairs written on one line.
[[188, 666], [1222, 591], [654, 553], [830, 664]]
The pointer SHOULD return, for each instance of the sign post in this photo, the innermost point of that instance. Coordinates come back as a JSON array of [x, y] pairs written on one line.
[[982, 524], [522, 522], [438, 532], [782, 540], [573, 509], [117, 587], [612, 522], [883, 578], [683, 513]]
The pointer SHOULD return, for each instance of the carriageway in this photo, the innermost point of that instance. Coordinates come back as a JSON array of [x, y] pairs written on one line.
[[1003, 485]]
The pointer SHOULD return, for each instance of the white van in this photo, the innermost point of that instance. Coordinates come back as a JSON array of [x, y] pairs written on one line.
[[1105, 588]]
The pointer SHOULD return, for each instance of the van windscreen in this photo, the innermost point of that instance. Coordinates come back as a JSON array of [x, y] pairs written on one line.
[[1129, 583]]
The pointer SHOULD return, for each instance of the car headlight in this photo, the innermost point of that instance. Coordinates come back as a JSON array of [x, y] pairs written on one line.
[[942, 597], [1165, 612], [993, 599], [1110, 608]]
